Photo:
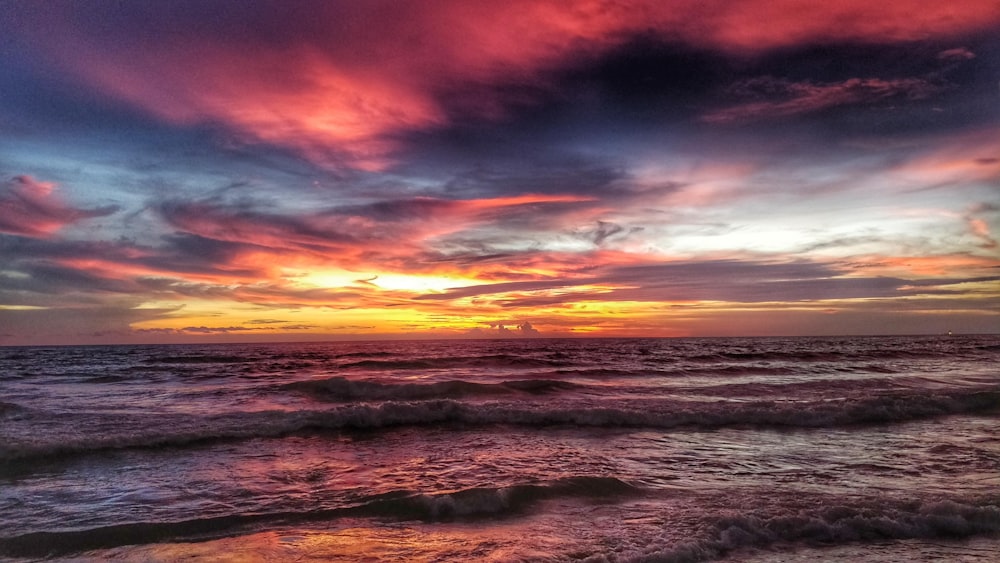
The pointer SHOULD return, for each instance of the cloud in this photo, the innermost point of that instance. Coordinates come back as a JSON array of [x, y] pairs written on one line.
[[502, 329], [797, 98], [526, 329], [321, 160], [80, 322], [956, 54], [967, 157], [343, 83], [244, 225], [734, 281], [604, 231], [350, 236], [30, 208], [979, 226]]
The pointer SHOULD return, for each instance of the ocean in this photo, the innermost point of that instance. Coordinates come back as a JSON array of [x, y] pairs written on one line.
[[737, 449]]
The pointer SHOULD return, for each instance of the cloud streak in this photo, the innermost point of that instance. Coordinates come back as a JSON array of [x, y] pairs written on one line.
[[797, 98]]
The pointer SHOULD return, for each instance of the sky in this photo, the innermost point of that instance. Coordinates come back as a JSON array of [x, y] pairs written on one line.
[[207, 170]]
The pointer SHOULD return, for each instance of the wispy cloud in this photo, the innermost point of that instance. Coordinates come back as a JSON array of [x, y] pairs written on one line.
[[978, 219], [737, 281], [783, 98], [31, 208]]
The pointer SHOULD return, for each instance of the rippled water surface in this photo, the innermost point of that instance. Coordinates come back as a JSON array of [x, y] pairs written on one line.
[[841, 449]]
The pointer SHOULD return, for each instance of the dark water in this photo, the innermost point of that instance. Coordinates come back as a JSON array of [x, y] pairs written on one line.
[[836, 449]]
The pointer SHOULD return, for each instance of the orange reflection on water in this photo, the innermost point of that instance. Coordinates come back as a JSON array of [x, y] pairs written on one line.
[[494, 541]]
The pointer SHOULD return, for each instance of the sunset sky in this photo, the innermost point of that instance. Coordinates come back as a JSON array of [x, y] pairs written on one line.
[[201, 170]]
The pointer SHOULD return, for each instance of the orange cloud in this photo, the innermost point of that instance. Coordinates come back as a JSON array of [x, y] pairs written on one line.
[[924, 266]]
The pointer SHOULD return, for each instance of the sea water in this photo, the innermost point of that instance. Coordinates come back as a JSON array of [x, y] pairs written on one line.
[[750, 449]]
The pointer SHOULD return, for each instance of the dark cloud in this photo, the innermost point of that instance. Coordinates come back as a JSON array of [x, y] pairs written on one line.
[[242, 224], [184, 253], [545, 171], [606, 230], [503, 329]]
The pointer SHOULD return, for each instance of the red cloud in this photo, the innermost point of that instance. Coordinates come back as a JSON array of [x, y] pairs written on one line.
[[29, 208], [339, 82]]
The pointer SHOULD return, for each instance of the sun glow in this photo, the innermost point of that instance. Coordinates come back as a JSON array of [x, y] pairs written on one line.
[[413, 283], [418, 284]]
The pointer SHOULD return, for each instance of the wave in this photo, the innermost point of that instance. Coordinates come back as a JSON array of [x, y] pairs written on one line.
[[729, 370], [10, 409], [842, 387], [490, 501], [104, 379], [828, 526], [466, 504], [838, 356], [199, 359], [109, 432], [16, 357], [342, 389], [490, 361], [377, 354]]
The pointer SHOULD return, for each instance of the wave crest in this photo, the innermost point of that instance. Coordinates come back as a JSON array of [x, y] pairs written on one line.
[[343, 389]]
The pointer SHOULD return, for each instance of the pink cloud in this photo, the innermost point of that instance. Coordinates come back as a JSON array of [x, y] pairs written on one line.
[[968, 157], [341, 82], [979, 227], [30, 208], [956, 54]]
